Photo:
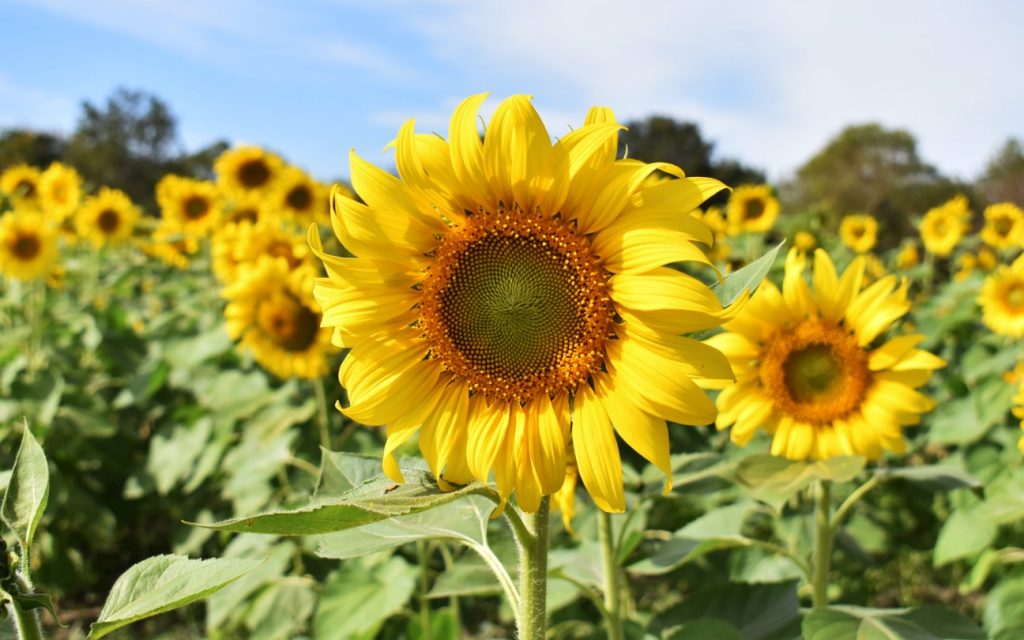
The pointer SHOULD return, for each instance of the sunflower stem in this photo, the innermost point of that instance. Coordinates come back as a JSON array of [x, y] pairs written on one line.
[[421, 549], [322, 419], [822, 544], [612, 590], [27, 621], [533, 574]]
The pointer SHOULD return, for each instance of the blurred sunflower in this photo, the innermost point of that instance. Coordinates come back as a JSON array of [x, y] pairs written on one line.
[[1004, 226], [1018, 410], [275, 240], [301, 197], [987, 259], [28, 245], [965, 264], [944, 226], [752, 208], [805, 241], [60, 191], [719, 250], [564, 500], [245, 169], [190, 206], [21, 183], [1002, 299], [807, 373], [510, 295], [859, 232], [246, 208], [908, 256], [170, 246], [271, 312], [107, 218]]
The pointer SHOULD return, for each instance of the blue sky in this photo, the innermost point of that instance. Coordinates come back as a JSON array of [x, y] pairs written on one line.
[[769, 82]]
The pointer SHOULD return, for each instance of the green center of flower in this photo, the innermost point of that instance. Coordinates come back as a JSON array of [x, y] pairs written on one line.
[[299, 198], [1003, 226], [1015, 297], [108, 221], [253, 173], [812, 373], [196, 207], [245, 214], [753, 209], [27, 188], [26, 246], [288, 322]]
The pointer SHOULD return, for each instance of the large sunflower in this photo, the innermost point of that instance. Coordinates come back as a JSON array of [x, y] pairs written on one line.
[[60, 191], [271, 311], [812, 371], [21, 183], [247, 169], [107, 218], [752, 208], [28, 245], [1004, 226], [859, 232], [301, 197], [1002, 299], [943, 226], [509, 295], [190, 206]]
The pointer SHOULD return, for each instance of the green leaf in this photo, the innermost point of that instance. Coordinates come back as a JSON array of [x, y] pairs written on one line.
[[676, 552], [705, 628], [163, 583], [468, 576], [747, 278], [1004, 610], [372, 502], [773, 479], [966, 420], [933, 476], [281, 610], [358, 599], [30, 601], [759, 612], [28, 490], [928, 622], [341, 472], [964, 534]]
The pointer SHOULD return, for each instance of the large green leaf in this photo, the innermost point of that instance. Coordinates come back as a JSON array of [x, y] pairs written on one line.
[[747, 278], [933, 476], [28, 490], [964, 534], [358, 599], [773, 479], [759, 612], [163, 583], [929, 622], [1004, 609], [371, 502], [967, 419], [341, 472]]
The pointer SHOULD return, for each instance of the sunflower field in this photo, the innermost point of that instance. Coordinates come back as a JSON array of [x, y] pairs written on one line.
[[522, 386]]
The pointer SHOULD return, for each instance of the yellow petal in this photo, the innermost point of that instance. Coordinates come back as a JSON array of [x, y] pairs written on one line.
[[597, 452], [646, 434]]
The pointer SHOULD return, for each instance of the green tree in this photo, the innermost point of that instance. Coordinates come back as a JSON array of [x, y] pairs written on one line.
[[1003, 179], [36, 148], [870, 169]]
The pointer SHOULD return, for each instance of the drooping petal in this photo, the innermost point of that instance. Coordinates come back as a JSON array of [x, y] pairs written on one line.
[[597, 452]]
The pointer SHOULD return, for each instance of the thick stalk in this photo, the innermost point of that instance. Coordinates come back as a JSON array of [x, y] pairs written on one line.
[[421, 548], [822, 544], [322, 420], [533, 574], [27, 622], [612, 590]]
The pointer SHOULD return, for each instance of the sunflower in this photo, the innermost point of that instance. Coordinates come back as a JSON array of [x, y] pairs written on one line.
[[805, 241], [247, 169], [1002, 299], [301, 197], [965, 264], [510, 295], [564, 500], [170, 246], [752, 208], [28, 245], [247, 208], [908, 256], [190, 206], [107, 218], [276, 240], [859, 232], [1018, 410], [808, 373], [987, 259], [21, 183], [60, 191], [271, 312], [1004, 226], [719, 250], [944, 226]]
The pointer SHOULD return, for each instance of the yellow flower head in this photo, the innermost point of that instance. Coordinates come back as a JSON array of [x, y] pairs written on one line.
[[752, 208], [944, 226], [987, 259], [859, 232], [1002, 299], [271, 312], [1004, 226], [812, 371], [965, 263], [908, 257], [509, 296], [1018, 410], [21, 184], [275, 240], [107, 218], [170, 246], [564, 500], [60, 191], [301, 198], [245, 169], [190, 206], [805, 241], [247, 208], [28, 245], [715, 220]]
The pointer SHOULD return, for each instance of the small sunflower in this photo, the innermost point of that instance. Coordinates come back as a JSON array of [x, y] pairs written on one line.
[[908, 256], [1018, 410], [60, 191], [301, 198], [190, 206], [170, 246], [28, 245], [275, 240], [21, 183], [247, 169], [808, 373], [859, 232], [752, 209], [1004, 226], [987, 259], [965, 265], [271, 312], [107, 218], [510, 297], [805, 241], [247, 208], [1002, 299], [943, 226]]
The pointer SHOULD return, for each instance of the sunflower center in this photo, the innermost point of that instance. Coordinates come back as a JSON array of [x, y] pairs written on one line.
[[753, 209], [858, 231], [253, 173], [1003, 226], [27, 187], [196, 207], [108, 221], [815, 372], [280, 249], [26, 246], [1015, 297], [941, 227], [517, 305], [247, 214], [299, 198], [288, 322]]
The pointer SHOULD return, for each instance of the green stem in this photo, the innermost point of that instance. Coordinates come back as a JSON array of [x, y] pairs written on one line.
[[449, 562], [27, 622], [421, 548], [852, 499], [323, 422], [822, 544], [612, 591], [533, 574]]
